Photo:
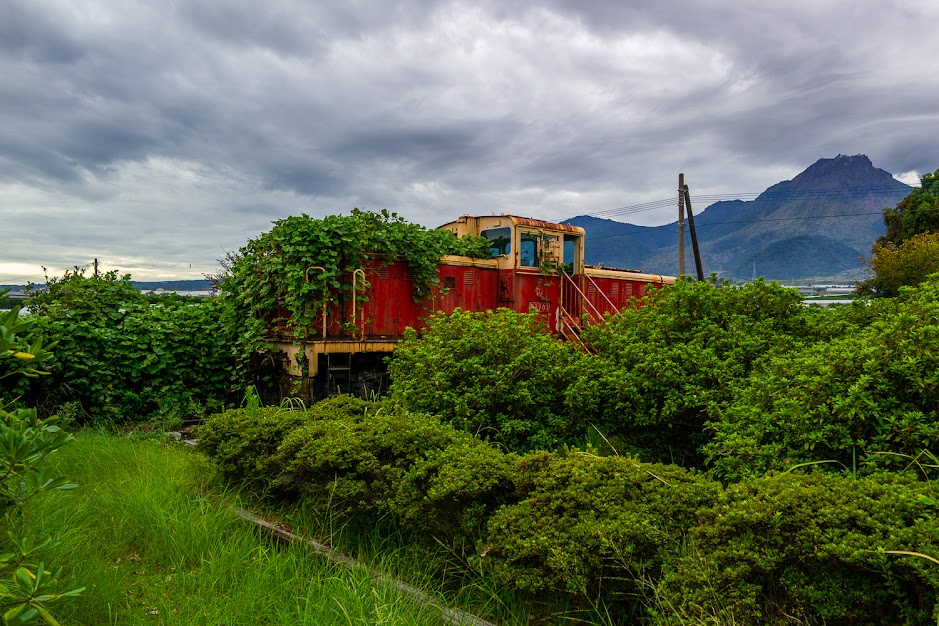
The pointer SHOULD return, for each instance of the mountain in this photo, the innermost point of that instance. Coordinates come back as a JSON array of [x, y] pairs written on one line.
[[815, 226], [174, 285]]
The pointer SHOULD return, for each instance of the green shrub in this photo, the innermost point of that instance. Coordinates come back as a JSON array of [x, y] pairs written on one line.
[[27, 588], [367, 459], [355, 463], [244, 442], [661, 367], [499, 375], [865, 400], [808, 549], [123, 359], [589, 525], [451, 492]]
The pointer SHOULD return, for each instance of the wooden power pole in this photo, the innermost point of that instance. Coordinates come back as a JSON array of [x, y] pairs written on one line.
[[681, 224], [694, 234]]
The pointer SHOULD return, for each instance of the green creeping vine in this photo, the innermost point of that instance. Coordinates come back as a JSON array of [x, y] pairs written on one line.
[[277, 268]]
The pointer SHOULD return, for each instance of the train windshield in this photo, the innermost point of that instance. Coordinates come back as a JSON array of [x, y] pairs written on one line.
[[500, 240]]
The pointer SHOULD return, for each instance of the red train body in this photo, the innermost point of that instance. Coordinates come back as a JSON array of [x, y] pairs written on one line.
[[536, 265]]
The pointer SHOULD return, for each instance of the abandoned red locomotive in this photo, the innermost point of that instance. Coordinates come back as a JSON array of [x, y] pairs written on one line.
[[535, 265]]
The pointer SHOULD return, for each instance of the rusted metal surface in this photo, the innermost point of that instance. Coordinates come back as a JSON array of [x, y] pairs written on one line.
[[533, 223]]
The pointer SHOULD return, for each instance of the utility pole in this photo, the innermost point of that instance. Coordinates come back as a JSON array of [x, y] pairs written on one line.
[[694, 234], [96, 268], [681, 224]]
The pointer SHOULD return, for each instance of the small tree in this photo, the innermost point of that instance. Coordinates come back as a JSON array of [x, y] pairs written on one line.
[[917, 213], [26, 587], [907, 264], [903, 255]]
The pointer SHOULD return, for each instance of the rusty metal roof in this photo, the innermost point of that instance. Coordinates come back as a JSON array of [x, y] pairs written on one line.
[[527, 221]]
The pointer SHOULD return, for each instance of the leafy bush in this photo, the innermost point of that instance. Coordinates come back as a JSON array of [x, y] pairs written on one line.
[[916, 214], [244, 442], [22, 353], [661, 367], [123, 359], [452, 491], [365, 458], [808, 549], [906, 264], [356, 462], [28, 587], [593, 525], [864, 400], [499, 375]]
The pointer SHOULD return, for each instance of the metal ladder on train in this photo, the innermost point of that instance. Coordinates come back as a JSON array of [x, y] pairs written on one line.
[[575, 310]]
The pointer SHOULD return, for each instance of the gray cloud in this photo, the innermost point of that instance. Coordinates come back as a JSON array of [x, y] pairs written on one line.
[[157, 134]]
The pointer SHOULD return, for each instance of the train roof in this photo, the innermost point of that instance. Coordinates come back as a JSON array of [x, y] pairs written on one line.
[[515, 220]]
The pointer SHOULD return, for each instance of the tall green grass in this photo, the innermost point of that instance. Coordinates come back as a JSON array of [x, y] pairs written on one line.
[[150, 550]]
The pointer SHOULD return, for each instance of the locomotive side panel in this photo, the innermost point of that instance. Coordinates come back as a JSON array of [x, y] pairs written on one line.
[[539, 292], [469, 288], [390, 307]]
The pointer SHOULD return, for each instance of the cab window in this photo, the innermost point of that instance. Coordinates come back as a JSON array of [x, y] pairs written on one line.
[[528, 250], [500, 240]]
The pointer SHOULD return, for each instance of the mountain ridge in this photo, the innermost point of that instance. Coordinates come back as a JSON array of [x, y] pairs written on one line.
[[817, 225]]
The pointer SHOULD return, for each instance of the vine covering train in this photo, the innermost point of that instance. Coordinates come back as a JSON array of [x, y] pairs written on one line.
[[534, 265]]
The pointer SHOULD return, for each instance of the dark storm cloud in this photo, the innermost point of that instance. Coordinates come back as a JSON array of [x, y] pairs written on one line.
[[198, 123], [26, 31]]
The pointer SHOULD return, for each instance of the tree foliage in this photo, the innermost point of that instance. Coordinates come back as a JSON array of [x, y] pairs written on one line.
[[909, 250], [122, 359], [916, 214], [27, 587], [863, 400], [499, 375], [662, 367], [909, 263]]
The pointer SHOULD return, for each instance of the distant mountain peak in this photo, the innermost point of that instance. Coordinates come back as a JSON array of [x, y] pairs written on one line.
[[842, 172], [816, 225]]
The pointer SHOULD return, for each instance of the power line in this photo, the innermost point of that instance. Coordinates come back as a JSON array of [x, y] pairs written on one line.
[[871, 191], [706, 224]]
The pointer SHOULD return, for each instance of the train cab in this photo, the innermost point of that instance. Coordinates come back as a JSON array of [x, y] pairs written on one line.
[[521, 243]]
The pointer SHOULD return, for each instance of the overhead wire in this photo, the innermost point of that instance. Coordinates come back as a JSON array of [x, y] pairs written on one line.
[[643, 229], [777, 196]]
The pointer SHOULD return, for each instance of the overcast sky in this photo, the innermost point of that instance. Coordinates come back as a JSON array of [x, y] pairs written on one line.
[[155, 135]]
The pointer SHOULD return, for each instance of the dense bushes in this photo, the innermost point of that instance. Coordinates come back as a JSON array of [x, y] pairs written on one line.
[[593, 525], [808, 549], [662, 367], [499, 375], [863, 400], [656, 542], [739, 382], [358, 457], [121, 359]]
